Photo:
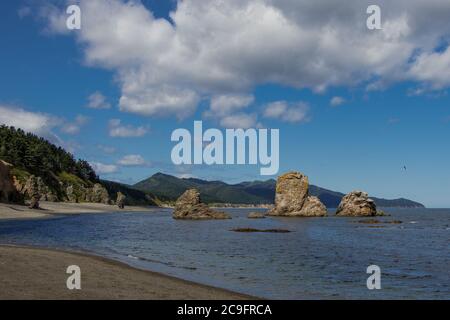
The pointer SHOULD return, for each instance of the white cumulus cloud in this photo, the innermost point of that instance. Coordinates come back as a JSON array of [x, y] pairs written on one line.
[[75, 126], [217, 47], [239, 121], [287, 112], [336, 101], [132, 160], [101, 168], [98, 101], [117, 129], [227, 109], [35, 122]]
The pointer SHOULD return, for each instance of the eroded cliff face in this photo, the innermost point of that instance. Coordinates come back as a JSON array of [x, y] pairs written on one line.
[[34, 186], [76, 193], [8, 191], [15, 188], [292, 198]]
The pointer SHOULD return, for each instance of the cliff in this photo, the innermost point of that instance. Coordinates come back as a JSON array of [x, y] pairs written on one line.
[[32, 167]]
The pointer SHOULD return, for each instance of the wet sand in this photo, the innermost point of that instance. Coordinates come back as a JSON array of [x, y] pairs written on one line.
[[14, 211], [33, 273]]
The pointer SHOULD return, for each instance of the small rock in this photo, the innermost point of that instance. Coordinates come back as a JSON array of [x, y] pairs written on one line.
[[260, 230], [256, 215], [375, 221], [369, 221]]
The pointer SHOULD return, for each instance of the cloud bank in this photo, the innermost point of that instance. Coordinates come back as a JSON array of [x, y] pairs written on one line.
[[220, 48]]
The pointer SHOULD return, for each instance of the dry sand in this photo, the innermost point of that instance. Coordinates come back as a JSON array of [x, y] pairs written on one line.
[[32, 273], [14, 211]]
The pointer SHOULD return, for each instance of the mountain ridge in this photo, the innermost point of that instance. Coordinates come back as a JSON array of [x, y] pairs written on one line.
[[256, 192]]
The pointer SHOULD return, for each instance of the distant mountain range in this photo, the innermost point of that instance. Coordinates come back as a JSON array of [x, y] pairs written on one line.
[[169, 188], [60, 173]]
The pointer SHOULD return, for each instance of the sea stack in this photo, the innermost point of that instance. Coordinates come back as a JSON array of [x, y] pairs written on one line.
[[357, 204], [189, 207], [292, 198]]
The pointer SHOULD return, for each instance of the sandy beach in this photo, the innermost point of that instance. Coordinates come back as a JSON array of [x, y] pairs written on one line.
[[33, 273], [14, 211]]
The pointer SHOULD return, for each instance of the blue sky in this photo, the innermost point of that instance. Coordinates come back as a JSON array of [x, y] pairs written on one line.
[[47, 75]]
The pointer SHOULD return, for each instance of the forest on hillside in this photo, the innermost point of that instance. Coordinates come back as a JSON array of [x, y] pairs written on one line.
[[37, 156]]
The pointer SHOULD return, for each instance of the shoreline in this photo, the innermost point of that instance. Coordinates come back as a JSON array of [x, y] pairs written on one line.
[[51, 209], [28, 272]]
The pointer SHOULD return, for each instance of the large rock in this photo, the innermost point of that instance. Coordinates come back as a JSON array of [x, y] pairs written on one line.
[[313, 207], [97, 194], [189, 206], [71, 194], [292, 198], [357, 204], [32, 187], [34, 184], [120, 200], [79, 193], [8, 191]]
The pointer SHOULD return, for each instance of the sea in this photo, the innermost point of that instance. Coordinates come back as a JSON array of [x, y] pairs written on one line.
[[320, 258]]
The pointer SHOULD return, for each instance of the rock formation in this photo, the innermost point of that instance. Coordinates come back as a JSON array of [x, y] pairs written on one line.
[[314, 207], [357, 204], [256, 215], [35, 185], [97, 194], [120, 200], [77, 193], [189, 206], [292, 198], [8, 192], [32, 188], [70, 194]]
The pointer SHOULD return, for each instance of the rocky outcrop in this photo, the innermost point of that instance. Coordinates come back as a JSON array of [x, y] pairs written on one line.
[[70, 194], [314, 207], [8, 191], [32, 187], [256, 215], [97, 194], [292, 198], [357, 204], [35, 185], [189, 206], [120, 200], [78, 191]]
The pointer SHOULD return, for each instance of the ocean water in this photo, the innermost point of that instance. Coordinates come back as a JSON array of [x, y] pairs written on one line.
[[322, 258]]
